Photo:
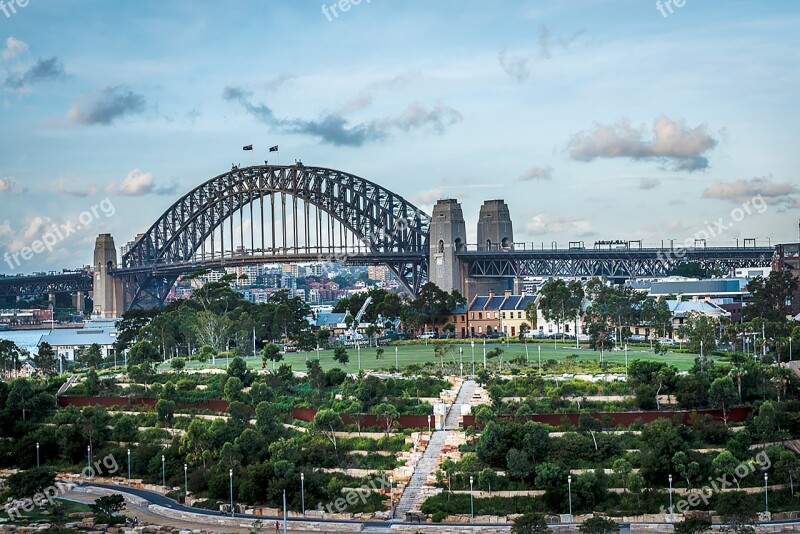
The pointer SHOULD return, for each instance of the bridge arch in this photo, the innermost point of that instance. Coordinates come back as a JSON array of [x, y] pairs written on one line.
[[388, 228]]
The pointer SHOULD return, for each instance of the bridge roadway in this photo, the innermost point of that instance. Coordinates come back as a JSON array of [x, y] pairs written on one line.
[[367, 526], [69, 282]]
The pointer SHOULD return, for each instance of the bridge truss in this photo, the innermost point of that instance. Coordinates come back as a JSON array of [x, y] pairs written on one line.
[[269, 214], [17, 286]]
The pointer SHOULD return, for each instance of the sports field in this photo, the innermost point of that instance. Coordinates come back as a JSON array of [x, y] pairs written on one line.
[[404, 355]]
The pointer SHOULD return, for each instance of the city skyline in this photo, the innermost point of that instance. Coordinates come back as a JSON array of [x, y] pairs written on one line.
[[609, 120]]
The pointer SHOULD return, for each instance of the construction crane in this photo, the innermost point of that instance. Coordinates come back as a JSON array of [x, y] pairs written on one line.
[[353, 334]]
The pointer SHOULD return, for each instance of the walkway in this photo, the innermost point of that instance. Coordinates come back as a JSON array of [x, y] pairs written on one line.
[[427, 463]]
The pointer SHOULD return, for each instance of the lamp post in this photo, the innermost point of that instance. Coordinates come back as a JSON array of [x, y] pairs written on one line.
[[163, 471], [396, 360], [284, 511], [484, 353], [569, 486], [129, 467], [89, 458], [358, 350], [429, 423], [230, 474], [303, 492], [527, 358], [472, 343], [391, 499], [790, 347], [540, 359], [185, 480], [670, 498], [461, 360], [626, 361], [37, 454], [766, 493], [471, 504]]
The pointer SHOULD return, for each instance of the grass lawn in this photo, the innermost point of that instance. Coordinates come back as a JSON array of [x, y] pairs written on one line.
[[421, 354], [46, 516]]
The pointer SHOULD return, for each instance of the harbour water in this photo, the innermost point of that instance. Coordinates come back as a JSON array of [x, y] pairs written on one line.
[[25, 339]]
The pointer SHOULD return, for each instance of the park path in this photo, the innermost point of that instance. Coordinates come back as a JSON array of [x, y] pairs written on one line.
[[427, 463]]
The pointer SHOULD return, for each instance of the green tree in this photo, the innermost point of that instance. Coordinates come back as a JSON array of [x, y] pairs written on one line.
[[92, 383], [238, 368], [598, 525], [387, 414], [623, 469], [701, 332], [341, 356], [769, 297], [530, 524], [142, 352], [549, 475], [693, 525], [272, 353], [518, 465], [46, 360], [685, 467], [789, 466], [107, 509], [722, 394], [328, 423], [28, 483], [726, 463]]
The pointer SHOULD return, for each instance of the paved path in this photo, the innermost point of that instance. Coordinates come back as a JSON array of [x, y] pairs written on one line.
[[427, 463]]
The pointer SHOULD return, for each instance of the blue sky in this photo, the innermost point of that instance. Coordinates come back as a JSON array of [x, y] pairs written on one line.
[[592, 119]]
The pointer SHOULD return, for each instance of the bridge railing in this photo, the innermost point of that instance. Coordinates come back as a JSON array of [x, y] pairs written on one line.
[[620, 245]]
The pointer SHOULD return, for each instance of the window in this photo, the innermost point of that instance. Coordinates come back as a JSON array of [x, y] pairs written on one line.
[[504, 315], [480, 329], [519, 315], [480, 315], [496, 315], [441, 245], [472, 315]]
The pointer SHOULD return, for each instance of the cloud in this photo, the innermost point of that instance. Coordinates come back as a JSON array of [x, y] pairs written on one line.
[[335, 129], [107, 105], [7, 184], [742, 191], [428, 197], [540, 225], [670, 142], [537, 173], [13, 48], [277, 82], [138, 183], [44, 70], [68, 187], [517, 67], [646, 183]]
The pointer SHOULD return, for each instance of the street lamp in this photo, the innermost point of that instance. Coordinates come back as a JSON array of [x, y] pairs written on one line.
[[626, 361], [89, 458], [391, 498], [303, 492], [471, 503], [472, 343], [358, 349], [484, 353], [670, 498], [461, 360], [185, 480], [766, 494], [37, 454], [540, 359], [129, 467], [230, 474], [163, 471], [396, 360], [284, 511], [429, 423], [569, 486]]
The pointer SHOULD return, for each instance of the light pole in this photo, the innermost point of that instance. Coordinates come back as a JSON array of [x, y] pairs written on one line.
[[396, 360], [89, 458], [461, 360], [303, 492], [230, 474], [185, 480], [284, 511], [569, 486], [540, 359], [670, 498], [163, 471], [484, 353], [790, 347], [527, 358], [37, 454], [766, 494], [626, 361], [129, 467], [472, 343], [471, 503], [429, 423], [358, 350], [391, 499]]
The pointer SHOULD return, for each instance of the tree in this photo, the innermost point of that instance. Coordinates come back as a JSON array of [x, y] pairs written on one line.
[[272, 353], [765, 424], [530, 524], [177, 364], [328, 422], [92, 383], [789, 465], [388, 414], [30, 482], [518, 465], [379, 353], [486, 478], [107, 508], [722, 394], [233, 389], [536, 441], [623, 469], [46, 360], [693, 525], [341, 356], [598, 525], [701, 331], [726, 463], [20, 396], [238, 368], [142, 352], [685, 468], [769, 297]]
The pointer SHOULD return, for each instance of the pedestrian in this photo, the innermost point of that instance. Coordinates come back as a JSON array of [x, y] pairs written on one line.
[[277, 527]]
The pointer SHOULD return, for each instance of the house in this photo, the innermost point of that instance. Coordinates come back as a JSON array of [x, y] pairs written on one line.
[[484, 314], [513, 313], [681, 309], [68, 342], [458, 318]]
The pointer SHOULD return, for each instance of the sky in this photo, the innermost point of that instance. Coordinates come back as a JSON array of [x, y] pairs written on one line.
[[594, 120]]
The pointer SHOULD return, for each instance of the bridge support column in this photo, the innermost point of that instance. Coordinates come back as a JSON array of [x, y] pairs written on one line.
[[108, 290], [78, 302], [51, 298], [495, 234], [448, 235]]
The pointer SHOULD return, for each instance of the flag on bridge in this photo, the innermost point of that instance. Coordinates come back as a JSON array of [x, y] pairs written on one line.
[[247, 147], [273, 148]]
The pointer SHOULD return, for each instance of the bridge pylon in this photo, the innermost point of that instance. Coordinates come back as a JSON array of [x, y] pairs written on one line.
[[448, 235], [108, 298]]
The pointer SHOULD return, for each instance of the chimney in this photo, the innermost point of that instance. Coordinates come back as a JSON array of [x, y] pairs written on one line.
[[507, 293], [491, 293]]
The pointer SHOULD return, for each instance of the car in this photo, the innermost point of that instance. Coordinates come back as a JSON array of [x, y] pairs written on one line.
[[667, 341], [637, 338], [496, 335], [427, 335]]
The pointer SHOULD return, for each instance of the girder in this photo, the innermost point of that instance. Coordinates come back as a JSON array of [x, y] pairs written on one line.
[[14, 286]]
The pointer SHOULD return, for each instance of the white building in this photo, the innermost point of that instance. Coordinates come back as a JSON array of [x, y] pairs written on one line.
[[66, 342]]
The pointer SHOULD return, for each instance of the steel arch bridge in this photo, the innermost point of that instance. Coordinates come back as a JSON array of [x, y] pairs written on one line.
[[312, 214]]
